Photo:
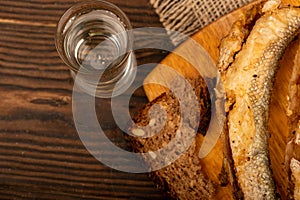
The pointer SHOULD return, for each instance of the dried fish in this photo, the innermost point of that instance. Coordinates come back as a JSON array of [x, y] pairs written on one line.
[[293, 164], [248, 83], [229, 47], [240, 30], [295, 168]]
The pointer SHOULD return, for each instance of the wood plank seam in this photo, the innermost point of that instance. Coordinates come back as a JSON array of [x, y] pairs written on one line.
[[23, 22]]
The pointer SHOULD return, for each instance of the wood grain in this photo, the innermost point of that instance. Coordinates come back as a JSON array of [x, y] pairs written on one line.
[[41, 155]]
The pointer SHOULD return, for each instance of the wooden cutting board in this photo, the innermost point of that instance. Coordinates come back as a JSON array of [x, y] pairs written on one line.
[[209, 37]]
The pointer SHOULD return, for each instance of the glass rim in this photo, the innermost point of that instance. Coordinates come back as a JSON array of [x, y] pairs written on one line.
[[79, 9], [91, 5]]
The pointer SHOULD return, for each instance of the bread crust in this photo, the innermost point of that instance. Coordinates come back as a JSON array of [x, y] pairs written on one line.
[[184, 178]]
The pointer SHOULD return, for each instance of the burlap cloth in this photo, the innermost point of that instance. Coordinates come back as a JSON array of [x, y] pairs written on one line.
[[189, 16]]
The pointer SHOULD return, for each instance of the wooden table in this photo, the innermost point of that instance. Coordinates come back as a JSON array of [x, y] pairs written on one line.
[[41, 155]]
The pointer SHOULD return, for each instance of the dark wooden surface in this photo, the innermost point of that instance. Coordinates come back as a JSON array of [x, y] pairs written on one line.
[[41, 155]]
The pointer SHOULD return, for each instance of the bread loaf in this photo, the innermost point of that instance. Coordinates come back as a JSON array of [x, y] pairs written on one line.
[[183, 178]]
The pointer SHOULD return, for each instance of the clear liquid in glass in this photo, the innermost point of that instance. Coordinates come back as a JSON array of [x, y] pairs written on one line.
[[97, 42]]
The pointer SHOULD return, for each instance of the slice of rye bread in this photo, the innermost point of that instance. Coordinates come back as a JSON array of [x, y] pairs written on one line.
[[183, 178]]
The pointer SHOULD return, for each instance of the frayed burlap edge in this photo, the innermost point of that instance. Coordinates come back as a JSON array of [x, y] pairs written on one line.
[[189, 16]]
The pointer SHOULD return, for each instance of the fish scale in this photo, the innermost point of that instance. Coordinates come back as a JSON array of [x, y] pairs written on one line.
[[260, 100], [250, 153]]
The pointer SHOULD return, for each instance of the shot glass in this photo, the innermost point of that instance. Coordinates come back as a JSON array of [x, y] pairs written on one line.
[[94, 39]]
